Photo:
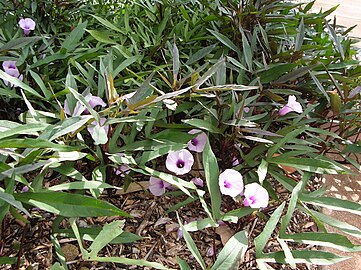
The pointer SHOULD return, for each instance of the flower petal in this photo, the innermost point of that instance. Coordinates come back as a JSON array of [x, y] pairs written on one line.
[[231, 183], [255, 195]]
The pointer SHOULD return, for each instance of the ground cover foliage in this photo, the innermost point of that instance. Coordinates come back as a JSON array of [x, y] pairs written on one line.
[[101, 97]]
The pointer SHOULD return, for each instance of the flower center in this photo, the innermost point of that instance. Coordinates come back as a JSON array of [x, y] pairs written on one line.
[[194, 141], [226, 184], [180, 163], [252, 199]]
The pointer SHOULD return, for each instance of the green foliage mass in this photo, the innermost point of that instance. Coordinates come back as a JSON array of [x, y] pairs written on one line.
[[164, 68]]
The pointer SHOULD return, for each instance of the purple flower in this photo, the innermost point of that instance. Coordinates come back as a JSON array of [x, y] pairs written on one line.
[[157, 186], [255, 195], [231, 183], [95, 101], [80, 108], [180, 162], [27, 24], [197, 144], [291, 106], [10, 68], [197, 181], [122, 170]]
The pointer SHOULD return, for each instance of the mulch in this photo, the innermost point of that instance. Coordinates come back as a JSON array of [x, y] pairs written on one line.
[[159, 229]]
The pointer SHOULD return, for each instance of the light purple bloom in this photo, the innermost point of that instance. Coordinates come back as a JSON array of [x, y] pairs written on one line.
[[80, 108], [197, 144], [95, 101], [122, 170], [210, 251], [197, 181], [157, 186], [180, 162], [10, 68], [27, 24], [231, 183], [255, 195], [246, 109], [291, 106]]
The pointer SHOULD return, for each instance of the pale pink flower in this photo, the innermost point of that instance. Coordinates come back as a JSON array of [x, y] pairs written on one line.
[[197, 181], [255, 195], [157, 186], [180, 162], [231, 183], [27, 24], [197, 144], [291, 106], [10, 68]]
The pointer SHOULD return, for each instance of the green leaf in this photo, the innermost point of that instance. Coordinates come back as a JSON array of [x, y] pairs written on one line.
[[19, 83], [316, 257], [288, 254], [107, 234], [81, 185], [336, 40], [342, 226], [28, 129], [332, 240], [47, 93], [262, 171], [74, 37], [200, 54], [9, 198], [89, 234], [101, 36], [234, 215], [57, 266], [293, 75], [333, 203], [261, 240], [198, 225], [226, 41], [69, 205], [107, 24], [192, 246], [127, 261], [211, 172], [18, 43], [233, 251], [183, 264], [291, 208], [202, 124], [36, 143], [308, 164], [300, 36], [8, 260]]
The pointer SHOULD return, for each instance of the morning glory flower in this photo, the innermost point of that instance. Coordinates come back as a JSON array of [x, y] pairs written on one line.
[[122, 170], [10, 68], [94, 101], [80, 108], [231, 183], [291, 106], [197, 181], [180, 162], [157, 186], [27, 24], [255, 195], [197, 144]]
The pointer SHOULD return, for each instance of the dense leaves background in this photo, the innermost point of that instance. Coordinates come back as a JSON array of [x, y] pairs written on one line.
[[225, 67]]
